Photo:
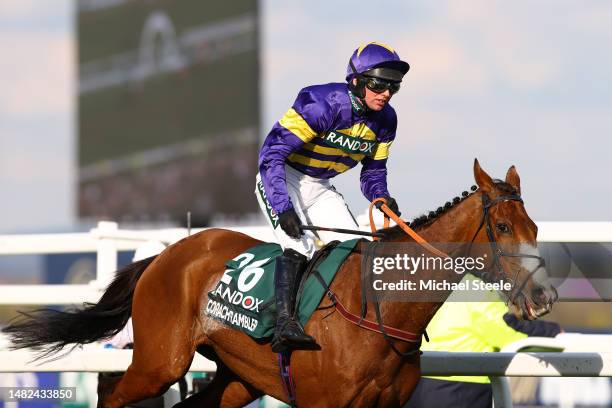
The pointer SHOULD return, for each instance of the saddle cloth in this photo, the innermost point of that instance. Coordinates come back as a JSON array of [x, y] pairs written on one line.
[[244, 296]]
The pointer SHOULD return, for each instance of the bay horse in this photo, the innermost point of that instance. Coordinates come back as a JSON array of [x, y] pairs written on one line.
[[165, 295]]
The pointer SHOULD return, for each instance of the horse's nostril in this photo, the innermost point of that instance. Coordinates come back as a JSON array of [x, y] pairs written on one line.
[[539, 295]]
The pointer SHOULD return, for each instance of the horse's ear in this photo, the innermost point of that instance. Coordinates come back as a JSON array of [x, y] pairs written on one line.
[[513, 179], [484, 181]]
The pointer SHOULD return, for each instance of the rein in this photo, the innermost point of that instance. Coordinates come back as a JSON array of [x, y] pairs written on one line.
[[389, 214], [390, 332]]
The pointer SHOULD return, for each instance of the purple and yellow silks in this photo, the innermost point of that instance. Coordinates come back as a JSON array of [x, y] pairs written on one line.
[[322, 136]]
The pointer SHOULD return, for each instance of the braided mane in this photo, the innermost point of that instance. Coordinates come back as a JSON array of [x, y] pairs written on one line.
[[426, 219]]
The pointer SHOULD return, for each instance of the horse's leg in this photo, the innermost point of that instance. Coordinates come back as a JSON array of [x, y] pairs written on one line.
[[106, 384], [166, 311], [226, 390], [154, 368], [165, 321]]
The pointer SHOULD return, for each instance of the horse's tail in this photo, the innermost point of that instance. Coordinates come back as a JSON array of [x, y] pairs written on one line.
[[49, 330]]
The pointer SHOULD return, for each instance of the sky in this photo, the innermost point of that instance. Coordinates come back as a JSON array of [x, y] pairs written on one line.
[[523, 83], [36, 115]]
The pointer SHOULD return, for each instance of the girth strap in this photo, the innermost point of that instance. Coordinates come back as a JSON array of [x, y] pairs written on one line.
[[365, 323]]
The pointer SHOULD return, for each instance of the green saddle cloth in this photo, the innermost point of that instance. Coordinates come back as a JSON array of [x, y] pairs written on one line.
[[244, 296]]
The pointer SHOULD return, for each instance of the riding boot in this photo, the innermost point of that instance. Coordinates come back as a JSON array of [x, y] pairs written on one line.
[[289, 333]]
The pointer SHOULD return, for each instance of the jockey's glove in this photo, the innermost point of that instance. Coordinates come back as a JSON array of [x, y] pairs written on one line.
[[391, 203], [290, 223]]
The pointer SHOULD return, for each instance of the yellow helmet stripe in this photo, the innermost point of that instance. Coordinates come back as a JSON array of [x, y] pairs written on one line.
[[360, 49]]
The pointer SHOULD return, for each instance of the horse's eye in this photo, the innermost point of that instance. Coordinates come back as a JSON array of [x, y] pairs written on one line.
[[503, 228]]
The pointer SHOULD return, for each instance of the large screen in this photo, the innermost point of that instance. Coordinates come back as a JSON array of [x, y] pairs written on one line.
[[168, 109]]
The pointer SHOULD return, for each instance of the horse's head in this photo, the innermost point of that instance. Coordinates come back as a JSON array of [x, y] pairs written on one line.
[[512, 235]]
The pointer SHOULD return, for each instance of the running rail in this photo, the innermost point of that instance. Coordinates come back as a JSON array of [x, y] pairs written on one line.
[[432, 363]]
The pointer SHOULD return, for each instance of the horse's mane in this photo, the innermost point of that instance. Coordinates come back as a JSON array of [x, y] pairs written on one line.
[[426, 219]]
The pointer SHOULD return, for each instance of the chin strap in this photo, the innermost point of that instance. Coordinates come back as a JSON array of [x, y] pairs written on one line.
[[357, 92], [358, 106]]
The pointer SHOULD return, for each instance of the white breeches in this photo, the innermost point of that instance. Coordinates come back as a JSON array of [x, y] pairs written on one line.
[[316, 202]]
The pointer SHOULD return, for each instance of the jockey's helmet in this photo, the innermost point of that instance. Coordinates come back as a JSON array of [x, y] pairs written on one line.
[[374, 60]]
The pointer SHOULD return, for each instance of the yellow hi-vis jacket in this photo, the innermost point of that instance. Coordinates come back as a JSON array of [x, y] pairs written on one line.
[[470, 327]]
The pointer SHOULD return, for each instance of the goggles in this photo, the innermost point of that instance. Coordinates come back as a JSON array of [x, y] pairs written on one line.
[[378, 85]]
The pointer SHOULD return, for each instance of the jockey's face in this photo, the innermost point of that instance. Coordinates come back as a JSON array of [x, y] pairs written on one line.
[[375, 101]]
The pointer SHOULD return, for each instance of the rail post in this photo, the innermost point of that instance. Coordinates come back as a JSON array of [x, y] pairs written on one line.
[[106, 262]]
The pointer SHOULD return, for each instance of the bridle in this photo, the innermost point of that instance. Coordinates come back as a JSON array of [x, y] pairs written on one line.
[[497, 252], [390, 332]]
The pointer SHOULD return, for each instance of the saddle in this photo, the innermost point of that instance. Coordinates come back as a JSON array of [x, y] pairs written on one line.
[[311, 268], [244, 296]]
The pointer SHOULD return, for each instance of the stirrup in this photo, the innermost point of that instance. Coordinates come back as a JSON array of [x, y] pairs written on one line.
[[291, 336]]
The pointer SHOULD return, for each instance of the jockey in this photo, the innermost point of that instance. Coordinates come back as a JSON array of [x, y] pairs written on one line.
[[328, 130]]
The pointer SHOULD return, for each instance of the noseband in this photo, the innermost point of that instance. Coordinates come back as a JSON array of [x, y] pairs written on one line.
[[497, 252]]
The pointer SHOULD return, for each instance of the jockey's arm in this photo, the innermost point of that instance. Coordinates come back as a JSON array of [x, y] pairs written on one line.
[[298, 126], [374, 171], [279, 145], [374, 178]]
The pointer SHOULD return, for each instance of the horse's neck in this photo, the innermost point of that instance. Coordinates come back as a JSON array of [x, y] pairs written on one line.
[[456, 225], [459, 224]]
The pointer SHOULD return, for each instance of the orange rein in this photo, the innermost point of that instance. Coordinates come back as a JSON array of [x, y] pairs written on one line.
[[378, 326], [391, 215]]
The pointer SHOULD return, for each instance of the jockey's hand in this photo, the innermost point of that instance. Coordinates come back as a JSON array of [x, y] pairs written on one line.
[[392, 204], [290, 223]]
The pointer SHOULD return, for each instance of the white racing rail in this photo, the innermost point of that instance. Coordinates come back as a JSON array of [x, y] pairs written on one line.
[[577, 360], [432, 363], [105, 241]]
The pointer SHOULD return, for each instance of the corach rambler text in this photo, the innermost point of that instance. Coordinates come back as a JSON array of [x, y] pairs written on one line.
[[412, 264]]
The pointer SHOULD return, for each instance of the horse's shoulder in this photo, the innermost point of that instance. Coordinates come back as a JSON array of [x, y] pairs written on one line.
[[347, 277], [354, 257]]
